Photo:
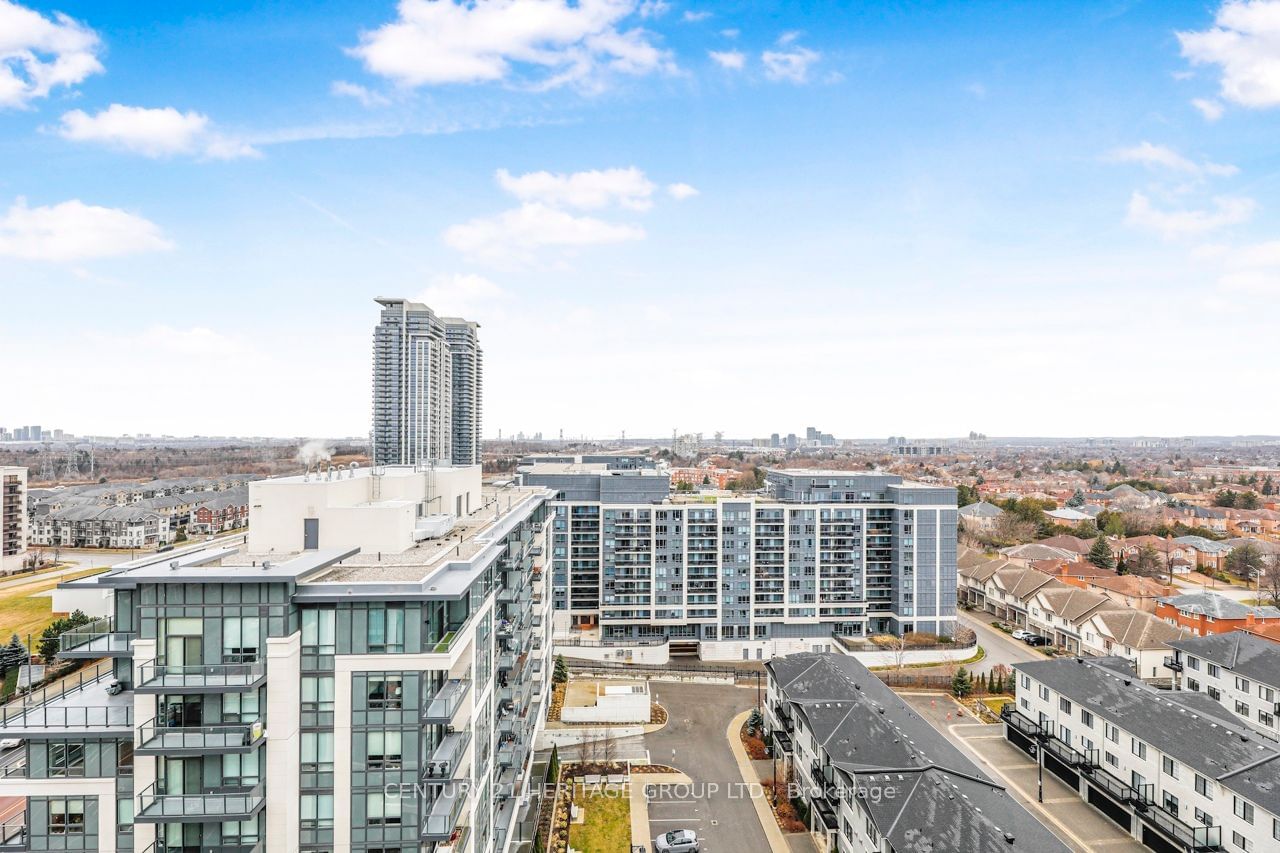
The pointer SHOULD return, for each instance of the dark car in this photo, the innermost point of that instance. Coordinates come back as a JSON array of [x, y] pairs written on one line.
[[1036, 640]]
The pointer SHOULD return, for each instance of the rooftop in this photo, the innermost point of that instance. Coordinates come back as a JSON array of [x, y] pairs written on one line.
[[1218, 606], [941, 801], [1245, 654]]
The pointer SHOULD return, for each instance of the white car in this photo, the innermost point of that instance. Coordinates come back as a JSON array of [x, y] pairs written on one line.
[[10, 742], [676, 841], [1020, 634]]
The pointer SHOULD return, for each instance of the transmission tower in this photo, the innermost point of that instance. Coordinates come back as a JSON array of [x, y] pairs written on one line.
[[71, 470], [92, 462], [48, 468]]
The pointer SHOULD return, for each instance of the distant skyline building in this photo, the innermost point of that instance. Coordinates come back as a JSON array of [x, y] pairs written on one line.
[[468, 375], [414, 415]]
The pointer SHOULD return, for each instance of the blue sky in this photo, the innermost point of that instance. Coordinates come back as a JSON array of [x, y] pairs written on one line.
[[878, 218]]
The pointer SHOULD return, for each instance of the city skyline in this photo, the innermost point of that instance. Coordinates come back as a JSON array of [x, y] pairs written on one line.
[[1046, 205]]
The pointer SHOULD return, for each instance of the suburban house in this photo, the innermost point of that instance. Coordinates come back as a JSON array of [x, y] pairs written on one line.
[[980, 515], [1132, 591], [1138, 637]]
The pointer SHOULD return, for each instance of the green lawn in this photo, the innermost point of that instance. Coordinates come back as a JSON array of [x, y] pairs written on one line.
[[22, 614], [607, 824]]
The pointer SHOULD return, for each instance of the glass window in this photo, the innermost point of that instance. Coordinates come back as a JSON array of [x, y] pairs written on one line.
[[386, 630], [241, 707], [240, 639], [317, 751], [241, 770], [318, 629], [317, 810], [66, 759], [386, 692], [317, 692], [66, 817], [382, 809], [1243, 809], [384, 750]]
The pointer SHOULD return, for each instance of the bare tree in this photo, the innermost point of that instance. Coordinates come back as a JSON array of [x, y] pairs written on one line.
[[608, 745], [1011, 529], [1269, 585]]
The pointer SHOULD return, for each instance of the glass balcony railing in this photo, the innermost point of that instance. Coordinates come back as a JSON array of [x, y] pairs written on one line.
[[443, 814], [98, 639], [13, 833], [246, 847], [155, 805], [443, 763], [158, 739], [445, 703], [200, 678]]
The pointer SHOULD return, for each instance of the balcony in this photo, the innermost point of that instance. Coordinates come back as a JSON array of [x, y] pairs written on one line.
[[443, 815], [161, 847], [98, 639], [155, 806], [158, 739], [1173, 663], [445, 758], [446, 702], [13, 833], [1193, 838], [201, 678], [782, 741], [86, 710]]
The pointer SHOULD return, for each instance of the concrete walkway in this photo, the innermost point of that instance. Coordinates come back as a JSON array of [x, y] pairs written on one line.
[[777, 841]]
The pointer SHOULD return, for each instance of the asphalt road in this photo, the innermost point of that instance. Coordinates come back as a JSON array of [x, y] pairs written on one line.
[[717, 805], [999, 646]]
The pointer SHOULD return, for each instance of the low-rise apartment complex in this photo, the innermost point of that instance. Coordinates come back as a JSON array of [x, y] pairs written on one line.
[[1239, 670], [815, 553], [13, 518], [364, 674]]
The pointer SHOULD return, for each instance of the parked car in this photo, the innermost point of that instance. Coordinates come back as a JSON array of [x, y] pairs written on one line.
[[1020, 634], [10, 743], [676, 841], [1037, 640]]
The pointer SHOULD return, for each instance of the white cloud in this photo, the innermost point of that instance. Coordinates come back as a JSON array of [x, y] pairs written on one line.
[[681, 191], [38, 53], [543, 43], [1184, 223], [1211, 110], [160, 132], [694, 17], [460, 294], [653, 8], [731, 33], [1161, 156], [73, 231], [788, 37], [791, 66], [731, 59], [516, 235], [591, 190], [1245, 44], [368, 98]]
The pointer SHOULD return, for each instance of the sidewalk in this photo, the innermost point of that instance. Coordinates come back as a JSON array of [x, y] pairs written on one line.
[[777, 841]]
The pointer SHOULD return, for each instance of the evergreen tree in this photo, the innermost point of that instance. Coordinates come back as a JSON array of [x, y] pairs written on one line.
[[1076, 500], [961, 684], [561, 673], [1100, 554], [13, 654]]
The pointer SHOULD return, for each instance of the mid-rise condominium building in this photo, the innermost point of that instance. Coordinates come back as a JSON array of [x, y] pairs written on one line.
[[367, 672], [815, 553], [1175, 769], [13, 518], [875, 775], [420, 408]]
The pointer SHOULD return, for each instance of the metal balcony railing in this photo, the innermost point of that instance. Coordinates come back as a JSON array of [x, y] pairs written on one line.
[[13, 833], [155, 738], [157, 806], [54, 716], [96, 640], [200, 678]]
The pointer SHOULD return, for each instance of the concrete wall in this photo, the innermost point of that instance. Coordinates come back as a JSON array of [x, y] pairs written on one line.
[[731, 650], [614, 703], [377, 514], [94, 602], [617, 654]]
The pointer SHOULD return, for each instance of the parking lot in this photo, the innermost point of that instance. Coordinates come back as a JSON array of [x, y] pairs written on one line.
[[717, 804]]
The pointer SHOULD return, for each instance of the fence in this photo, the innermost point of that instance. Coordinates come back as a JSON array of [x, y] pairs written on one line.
[[673, 671]]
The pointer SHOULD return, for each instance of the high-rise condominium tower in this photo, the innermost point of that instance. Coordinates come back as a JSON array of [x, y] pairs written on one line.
[[468, 374], [417, 413]]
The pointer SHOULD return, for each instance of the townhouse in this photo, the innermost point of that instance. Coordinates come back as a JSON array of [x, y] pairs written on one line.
[[875, 776], [1239, 670], [1136, 636], [81, 525], [1209, 613], [1174, 769], [367, 672]]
